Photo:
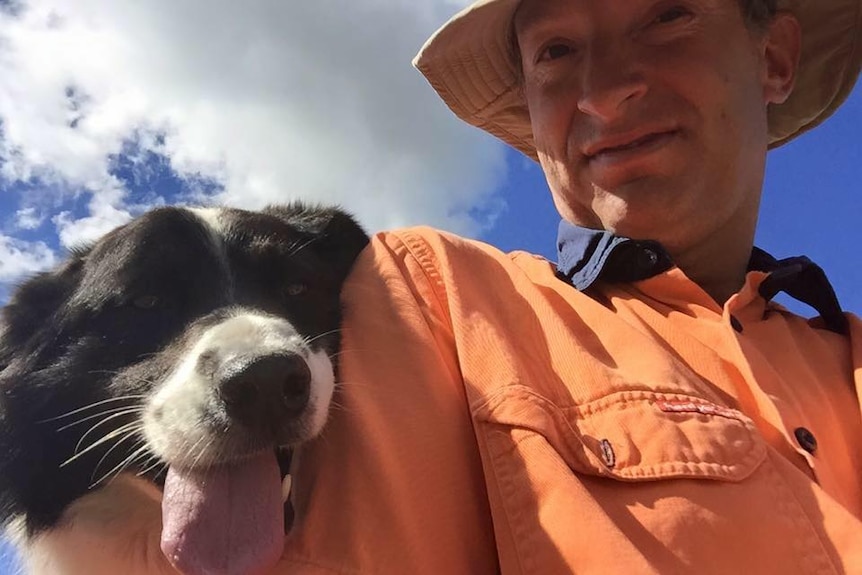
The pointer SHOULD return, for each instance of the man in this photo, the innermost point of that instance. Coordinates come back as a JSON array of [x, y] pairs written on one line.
[[644, 407]]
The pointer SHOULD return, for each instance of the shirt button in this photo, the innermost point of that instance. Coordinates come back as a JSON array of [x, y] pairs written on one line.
[[735, 324], [806, 439]]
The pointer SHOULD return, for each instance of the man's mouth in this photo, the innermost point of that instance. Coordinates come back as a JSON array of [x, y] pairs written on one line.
[[619, 146]]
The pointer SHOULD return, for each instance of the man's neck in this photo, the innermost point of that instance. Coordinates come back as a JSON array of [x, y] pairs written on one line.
[[719, 268]]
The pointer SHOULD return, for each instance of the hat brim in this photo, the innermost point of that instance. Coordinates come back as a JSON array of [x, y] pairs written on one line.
[[471, 65]]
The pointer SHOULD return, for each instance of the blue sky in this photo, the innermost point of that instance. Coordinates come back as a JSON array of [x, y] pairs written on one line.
[[112, 108]]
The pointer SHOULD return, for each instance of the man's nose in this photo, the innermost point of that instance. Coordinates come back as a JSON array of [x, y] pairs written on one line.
[[611, 80]]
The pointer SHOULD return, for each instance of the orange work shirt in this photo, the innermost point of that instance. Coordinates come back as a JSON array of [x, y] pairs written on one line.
[[493, 418]]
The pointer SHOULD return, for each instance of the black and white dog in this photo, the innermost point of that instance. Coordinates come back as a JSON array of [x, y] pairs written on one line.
[[189, 348]]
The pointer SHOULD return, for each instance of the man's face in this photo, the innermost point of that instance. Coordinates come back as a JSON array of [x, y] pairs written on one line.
[[649, 116]]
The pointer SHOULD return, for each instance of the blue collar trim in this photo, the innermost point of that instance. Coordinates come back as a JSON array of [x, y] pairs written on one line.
[[585, 256]]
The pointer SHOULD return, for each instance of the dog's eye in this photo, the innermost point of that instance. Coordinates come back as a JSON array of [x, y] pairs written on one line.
[[146, 302], [296, 289]]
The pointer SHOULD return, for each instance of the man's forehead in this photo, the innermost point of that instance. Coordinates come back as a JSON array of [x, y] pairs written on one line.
[[529, 12], [532, 12]]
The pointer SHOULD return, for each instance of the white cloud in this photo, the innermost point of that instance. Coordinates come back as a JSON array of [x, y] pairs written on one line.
[[276, 100], [19, 258], [28, 218], [104, 216]]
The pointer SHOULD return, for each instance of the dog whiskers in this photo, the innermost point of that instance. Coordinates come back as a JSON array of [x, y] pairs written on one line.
[[202, 450], [132, 433], [342, 351], [117, 432], [121, 466], [139, 457], [310, 340], [100, 423], [118, 371], [342, 384], [116, 410], [335, 406], [152, 466], [92, 405]]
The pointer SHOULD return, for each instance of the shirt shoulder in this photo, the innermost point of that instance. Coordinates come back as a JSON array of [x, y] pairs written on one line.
[[445, 258]]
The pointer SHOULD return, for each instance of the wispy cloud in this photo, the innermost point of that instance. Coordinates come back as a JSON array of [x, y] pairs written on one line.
[[28, 218], [19, 258]]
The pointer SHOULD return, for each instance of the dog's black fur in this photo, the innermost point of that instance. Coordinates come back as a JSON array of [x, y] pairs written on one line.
[[111, 321]]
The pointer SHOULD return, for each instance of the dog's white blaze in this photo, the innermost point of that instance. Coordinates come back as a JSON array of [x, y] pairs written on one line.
[[213, 218], [210, 216], [179, 434]]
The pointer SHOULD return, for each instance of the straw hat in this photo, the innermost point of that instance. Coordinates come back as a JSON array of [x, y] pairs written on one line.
[[469, 62]]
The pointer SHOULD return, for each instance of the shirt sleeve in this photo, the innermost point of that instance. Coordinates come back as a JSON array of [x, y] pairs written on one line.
[[394, 484]]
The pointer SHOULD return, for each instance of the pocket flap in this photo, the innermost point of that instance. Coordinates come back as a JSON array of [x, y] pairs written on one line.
[[636, 435]]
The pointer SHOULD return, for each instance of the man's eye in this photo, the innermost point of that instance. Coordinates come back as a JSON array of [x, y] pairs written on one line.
[[672, 15], [555, 51]]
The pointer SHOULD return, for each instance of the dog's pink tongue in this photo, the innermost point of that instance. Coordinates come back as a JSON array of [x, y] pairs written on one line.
[[224, 521]]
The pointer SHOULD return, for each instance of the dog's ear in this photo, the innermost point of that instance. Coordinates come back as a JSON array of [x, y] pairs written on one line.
[[34, 303], [336, 236]]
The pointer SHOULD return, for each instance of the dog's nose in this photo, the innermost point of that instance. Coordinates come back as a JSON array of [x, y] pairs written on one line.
[[267, 387]]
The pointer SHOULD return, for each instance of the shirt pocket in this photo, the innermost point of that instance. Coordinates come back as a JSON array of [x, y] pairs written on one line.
[[635, 435], [627, 481]]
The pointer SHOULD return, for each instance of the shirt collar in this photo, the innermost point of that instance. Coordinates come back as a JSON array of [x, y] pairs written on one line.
[[585, 256]]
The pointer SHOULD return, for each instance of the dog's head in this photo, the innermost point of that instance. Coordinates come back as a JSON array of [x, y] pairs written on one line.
[[188, 337]]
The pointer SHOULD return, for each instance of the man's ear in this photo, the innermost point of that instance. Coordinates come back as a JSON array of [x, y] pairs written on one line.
[[782, 49], [335, 235]]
